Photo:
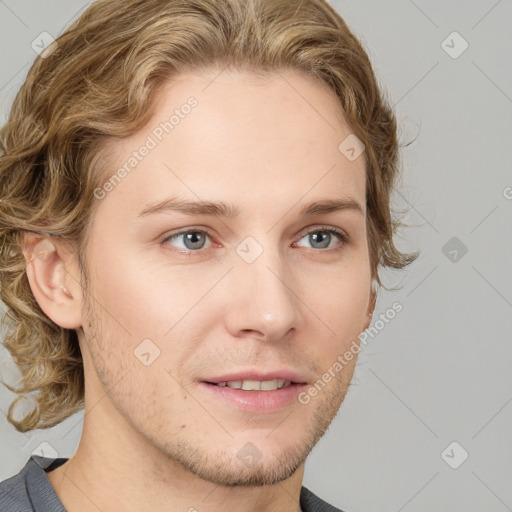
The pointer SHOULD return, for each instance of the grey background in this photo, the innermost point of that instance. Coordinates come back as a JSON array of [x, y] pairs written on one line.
[[437, 373]]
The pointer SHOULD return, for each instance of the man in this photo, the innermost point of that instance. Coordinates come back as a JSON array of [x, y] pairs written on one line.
[[199, 192]]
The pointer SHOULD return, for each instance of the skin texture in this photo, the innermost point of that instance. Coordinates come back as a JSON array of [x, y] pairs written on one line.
[[152, 439]]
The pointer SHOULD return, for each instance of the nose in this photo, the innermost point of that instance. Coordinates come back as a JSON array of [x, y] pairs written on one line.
[[262, 301]]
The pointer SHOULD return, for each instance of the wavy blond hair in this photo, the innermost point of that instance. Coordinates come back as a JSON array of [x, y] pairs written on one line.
[[100, 82]]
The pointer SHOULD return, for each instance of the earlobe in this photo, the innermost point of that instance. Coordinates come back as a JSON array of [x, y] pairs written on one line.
[[371, 307], [55, 289]]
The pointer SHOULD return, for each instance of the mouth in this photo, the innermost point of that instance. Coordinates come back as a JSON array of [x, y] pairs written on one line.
[[254, 385], [253, 392]]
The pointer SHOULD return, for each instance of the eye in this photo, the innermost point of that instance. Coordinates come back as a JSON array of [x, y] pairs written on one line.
[[321, 238], [193, 239]]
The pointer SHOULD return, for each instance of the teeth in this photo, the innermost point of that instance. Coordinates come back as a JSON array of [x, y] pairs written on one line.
[[256, 385], [269, 385], [251, 385]]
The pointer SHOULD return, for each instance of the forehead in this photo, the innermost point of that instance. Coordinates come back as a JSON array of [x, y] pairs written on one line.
[[266, 137]]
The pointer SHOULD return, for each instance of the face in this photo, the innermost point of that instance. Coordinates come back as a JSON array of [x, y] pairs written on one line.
[[184, 299]]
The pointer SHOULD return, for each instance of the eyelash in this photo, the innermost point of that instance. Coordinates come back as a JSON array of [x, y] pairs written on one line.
[[342, 237]]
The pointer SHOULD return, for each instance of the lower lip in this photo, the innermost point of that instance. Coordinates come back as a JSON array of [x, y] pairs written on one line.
[[255, 401]]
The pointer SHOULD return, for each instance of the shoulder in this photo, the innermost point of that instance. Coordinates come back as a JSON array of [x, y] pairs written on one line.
[[310, 502], [14, 491], [30, 488]]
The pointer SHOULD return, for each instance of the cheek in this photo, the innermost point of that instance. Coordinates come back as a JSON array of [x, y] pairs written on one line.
[[339, 314], [157, 314], [144, 298], [339, 297]]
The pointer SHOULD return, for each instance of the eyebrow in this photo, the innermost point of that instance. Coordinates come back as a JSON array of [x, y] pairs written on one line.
[[228, 210]]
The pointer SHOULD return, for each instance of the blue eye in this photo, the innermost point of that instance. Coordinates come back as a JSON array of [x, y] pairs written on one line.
[[324, 236], [193, 240]]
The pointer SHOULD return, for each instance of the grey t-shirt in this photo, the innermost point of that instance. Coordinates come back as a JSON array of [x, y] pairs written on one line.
[[31, 491]]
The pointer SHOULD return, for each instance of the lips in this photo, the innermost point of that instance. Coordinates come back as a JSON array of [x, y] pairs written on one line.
[[256, 385], [284, 375], [255, 391]]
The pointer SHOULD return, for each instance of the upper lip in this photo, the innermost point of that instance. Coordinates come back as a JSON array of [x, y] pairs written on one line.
[[284, 374]]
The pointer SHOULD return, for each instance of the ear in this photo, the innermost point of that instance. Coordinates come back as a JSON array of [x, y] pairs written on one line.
[[50, 268], [371, 307]]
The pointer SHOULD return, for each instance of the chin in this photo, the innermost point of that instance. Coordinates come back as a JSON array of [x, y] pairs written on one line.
[[237, 473], [244, 463]]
